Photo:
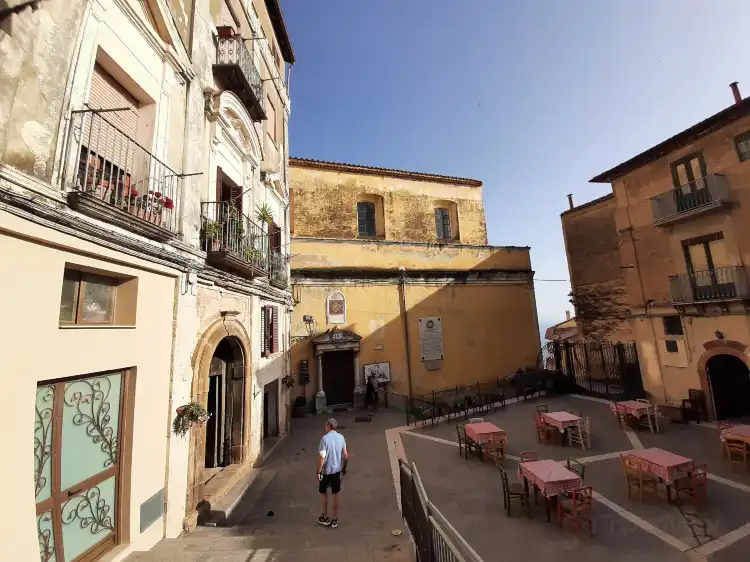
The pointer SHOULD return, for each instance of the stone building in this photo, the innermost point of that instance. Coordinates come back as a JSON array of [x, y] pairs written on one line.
[[144, 211], [684, 244], [393, 276], [597, 280]]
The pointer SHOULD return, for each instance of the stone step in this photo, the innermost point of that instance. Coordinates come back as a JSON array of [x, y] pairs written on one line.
[[234, 506]]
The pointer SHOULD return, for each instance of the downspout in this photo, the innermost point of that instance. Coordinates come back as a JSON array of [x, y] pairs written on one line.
[[402, 300]]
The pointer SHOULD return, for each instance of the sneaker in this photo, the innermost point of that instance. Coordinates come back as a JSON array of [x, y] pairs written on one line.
[[334, 523], [325, 521]]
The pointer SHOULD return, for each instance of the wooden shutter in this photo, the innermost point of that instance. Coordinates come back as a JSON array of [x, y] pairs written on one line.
[[447, 225], [362, 218], [262, 331], [439, 223], [269, 331], [275, 329], [442, 224], [371, 219]]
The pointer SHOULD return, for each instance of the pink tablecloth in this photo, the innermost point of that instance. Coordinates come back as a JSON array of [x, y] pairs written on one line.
[[561, 420], [484, 432], [633, 407], [550, 477], [739, 432], [664, 464]]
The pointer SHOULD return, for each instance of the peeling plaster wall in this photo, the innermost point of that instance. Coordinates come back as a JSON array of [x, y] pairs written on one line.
[[35, 61], [325, 205]]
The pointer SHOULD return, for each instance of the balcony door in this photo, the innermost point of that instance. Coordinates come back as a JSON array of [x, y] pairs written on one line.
[[689, 180], [706, 259]]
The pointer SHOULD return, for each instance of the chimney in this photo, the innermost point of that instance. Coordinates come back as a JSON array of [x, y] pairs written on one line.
[[567, 315], [736, 92], [570, 200]]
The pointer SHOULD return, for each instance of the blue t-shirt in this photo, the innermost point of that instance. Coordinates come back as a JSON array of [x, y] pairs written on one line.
[[332, 447]]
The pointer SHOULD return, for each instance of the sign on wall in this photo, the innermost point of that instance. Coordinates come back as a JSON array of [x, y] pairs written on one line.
[[381, 372], [336, 308], [431, 338]]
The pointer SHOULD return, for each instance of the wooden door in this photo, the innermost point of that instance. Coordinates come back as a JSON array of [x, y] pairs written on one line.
[[338, 377]]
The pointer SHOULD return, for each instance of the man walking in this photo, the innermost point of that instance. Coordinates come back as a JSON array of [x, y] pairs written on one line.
[[332, 461]]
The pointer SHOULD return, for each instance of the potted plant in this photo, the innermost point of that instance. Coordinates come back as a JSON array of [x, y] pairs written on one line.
[[263, 213], [211, 232], [188, 416]]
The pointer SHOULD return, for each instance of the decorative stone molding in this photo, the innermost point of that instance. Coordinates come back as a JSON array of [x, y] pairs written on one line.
[[211, 106], [714, 348]]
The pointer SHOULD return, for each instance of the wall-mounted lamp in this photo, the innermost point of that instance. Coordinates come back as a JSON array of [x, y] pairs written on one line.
[[310, 324], [719, 335]]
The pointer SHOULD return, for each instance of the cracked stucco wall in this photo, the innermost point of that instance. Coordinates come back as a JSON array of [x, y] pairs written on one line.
[[35, 61]]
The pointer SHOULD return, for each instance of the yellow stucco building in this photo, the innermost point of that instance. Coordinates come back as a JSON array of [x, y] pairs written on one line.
[[392, 276]]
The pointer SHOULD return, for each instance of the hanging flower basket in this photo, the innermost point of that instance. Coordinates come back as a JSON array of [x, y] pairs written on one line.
[[289, 381], [189, 415]]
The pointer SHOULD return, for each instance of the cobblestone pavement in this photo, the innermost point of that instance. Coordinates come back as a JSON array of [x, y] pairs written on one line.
[[624, 529], [282, 525]]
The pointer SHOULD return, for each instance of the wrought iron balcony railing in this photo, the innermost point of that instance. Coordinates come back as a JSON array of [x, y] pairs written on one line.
[[235, 70], [712, 285], [697, 196], [278, 270], [232, 240], [117, 180]]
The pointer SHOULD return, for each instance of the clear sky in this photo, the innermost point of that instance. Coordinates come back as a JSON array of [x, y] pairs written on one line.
[[533, 97]]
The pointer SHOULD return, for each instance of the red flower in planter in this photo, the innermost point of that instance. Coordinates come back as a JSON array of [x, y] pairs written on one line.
[[168, 203], [134, 193], [157, 195]]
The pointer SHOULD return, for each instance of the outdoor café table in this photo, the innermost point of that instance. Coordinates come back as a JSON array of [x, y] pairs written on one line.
[[738, 432], [561, 420], [633, 407], [484, 432], [663, 464], [550, 477]]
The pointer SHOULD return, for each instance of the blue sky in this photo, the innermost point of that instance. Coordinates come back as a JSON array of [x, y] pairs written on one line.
[[532, 97]]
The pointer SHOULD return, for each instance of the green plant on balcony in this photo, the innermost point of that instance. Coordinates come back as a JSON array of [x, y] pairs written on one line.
[[264, 214], [251, 254]]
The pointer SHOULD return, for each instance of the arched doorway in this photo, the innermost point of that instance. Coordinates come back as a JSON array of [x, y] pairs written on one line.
[[729, 379], [225, 404]]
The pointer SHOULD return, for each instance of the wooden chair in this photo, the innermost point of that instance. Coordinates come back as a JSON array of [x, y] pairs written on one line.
[[528, 456], [577, 510], [542, 409], [581, 433], [737, 452], [694, 485], [476, 420], [636, 478], [513, 491], [543, 431], [574, 465], [465, 444], [495, 450], [723, 425], [620, 414]]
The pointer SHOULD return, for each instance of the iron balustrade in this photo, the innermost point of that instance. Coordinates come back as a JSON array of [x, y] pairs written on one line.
[[278, 269], [226, 229], [720, 284], [107, 164], [231, 51], [709, 191]]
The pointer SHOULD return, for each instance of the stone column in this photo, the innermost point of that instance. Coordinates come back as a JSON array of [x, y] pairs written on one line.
[[320, 396]]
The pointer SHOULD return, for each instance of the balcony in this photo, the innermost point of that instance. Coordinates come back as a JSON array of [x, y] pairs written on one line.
[[278, 270], [713, 285], [234, 70], [702, 195], [232, 241], [116, 180]]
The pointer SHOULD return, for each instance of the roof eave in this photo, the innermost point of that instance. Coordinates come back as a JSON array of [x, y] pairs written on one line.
[[279, 27]]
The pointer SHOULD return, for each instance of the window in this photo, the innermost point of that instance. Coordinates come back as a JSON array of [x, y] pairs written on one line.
[[671, 346], [94, 299], [742, 143], [269, 330], [689, 172], [366, 218], [443, 224], [705, 253], [672, 325]]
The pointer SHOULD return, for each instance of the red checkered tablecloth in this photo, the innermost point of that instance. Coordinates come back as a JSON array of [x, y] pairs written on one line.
[[632, 407], [484, 432], [657, 461], [738, 432], [549, 476], [561, 420]]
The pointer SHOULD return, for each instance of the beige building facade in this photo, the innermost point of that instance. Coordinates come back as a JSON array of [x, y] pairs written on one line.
[[144, 208], [393, 278], [682, 223]]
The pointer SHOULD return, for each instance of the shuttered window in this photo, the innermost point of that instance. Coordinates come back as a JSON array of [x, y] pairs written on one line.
[[366, 218], [443, 224], [269, 330], [106, 93]]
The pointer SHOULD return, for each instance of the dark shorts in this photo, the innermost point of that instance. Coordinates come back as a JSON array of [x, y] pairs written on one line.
[[332, 480]]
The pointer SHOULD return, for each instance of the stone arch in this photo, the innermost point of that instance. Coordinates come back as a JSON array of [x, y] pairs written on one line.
[[714, 348], [220, 329], [235, 113]]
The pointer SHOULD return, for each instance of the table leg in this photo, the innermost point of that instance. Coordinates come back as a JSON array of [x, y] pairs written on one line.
[[669, 493], [528, 497], [546, 508]]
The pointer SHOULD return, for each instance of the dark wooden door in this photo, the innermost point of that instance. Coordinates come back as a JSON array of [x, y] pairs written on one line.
[[730, 386], [338, 377]]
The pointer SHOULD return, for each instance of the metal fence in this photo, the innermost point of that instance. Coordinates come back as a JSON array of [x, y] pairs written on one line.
[[435, 539]]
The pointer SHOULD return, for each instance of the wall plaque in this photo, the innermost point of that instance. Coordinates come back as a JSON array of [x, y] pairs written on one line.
[[336, 308], [431, 338]]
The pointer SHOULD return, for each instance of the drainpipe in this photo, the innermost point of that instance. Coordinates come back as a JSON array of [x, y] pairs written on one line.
[[402, 300]]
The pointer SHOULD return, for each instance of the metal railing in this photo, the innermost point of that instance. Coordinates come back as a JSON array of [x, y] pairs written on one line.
[[724, 283], [714, 188], [226, 229], [233, 51], [435, 539], [278, 269], [106, 163]]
